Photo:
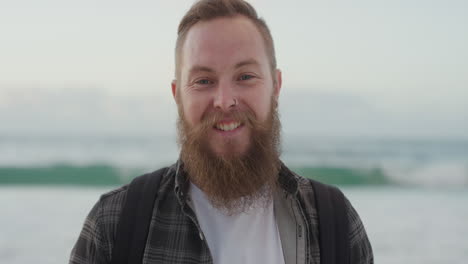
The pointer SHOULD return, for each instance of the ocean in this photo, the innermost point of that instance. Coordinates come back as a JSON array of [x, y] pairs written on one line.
[[412, 194]]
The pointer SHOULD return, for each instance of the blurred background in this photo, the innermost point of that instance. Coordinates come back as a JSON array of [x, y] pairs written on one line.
[[373, 100]]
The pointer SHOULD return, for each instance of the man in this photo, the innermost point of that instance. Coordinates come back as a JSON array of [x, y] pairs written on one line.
[[228, 199]]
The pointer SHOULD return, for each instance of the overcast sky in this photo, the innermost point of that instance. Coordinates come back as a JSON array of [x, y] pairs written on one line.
[[362, 67]]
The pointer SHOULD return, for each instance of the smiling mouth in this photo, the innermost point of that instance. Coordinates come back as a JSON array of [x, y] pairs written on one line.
[[227, 126]]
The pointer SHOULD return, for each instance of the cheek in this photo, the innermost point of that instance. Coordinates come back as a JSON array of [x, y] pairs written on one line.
[[193, 109], [260, 103]]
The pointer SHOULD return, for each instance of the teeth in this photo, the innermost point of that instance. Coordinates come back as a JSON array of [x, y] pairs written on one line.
[[228, 127]]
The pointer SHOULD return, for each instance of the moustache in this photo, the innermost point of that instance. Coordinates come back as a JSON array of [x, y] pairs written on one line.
[[210, 119]]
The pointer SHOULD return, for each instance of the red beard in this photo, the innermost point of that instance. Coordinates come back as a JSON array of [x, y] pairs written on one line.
[[233, 183]]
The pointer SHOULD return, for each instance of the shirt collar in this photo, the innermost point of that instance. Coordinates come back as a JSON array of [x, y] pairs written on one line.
[[182, 182], [286, 179]]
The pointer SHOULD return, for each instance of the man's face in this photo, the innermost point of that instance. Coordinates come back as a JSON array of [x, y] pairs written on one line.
[[224, 69]]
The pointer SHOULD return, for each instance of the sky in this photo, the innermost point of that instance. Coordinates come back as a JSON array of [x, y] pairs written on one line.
[[360, 68]]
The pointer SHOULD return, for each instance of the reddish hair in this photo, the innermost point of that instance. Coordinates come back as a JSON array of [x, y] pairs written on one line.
[[205, 10]]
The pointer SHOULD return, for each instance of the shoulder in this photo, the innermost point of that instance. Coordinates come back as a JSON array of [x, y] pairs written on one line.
[[96, 240], [360, 247], [110, 205], [105, 213], [112, 201], [94, 244]]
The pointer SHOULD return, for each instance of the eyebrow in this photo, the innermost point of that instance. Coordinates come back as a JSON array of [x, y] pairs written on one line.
[[246, 62], [200, 68]]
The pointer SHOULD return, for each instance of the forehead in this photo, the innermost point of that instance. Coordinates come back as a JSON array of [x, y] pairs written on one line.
[[223, 42]]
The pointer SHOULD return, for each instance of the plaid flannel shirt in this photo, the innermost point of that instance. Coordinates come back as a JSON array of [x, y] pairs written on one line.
[[175, 236]]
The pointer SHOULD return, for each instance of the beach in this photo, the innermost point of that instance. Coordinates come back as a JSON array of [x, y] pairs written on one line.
[[404, 225], [412, 195]]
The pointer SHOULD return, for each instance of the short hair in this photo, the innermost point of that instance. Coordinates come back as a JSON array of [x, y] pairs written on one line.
[[205, 10]]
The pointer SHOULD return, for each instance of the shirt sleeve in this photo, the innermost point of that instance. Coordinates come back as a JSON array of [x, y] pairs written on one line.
[[361, 249], [91, 246]]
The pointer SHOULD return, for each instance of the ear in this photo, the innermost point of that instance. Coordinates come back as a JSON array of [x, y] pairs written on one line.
[[277, 84], [174, 89]]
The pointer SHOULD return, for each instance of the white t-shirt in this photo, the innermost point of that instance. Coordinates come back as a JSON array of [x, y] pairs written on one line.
[[248, 238]]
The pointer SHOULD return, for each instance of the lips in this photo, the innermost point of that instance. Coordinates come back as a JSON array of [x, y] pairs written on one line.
[[227, 126]]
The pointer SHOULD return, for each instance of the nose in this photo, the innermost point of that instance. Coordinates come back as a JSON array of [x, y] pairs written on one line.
[[225, 98]]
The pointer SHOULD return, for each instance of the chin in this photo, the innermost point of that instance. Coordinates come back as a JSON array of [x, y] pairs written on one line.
[[229, 150]]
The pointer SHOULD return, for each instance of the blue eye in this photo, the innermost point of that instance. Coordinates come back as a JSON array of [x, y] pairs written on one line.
[[245, 77], [203, 82]]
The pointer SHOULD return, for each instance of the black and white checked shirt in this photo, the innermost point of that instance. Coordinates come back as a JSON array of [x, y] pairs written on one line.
[[175, 237]]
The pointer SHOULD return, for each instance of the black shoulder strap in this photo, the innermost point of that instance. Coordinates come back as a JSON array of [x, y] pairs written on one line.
[[132, 229], [333, 224]]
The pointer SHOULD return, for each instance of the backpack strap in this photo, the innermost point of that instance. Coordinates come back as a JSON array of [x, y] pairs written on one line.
[[135, 218], [333, 224]]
